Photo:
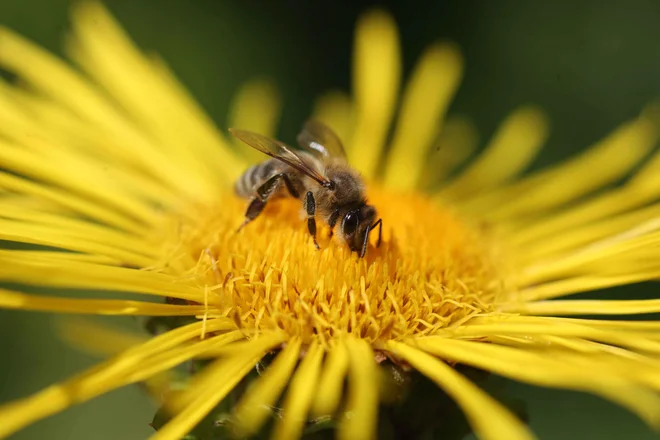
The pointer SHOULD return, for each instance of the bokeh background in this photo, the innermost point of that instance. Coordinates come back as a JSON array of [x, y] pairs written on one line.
[[590, 64]]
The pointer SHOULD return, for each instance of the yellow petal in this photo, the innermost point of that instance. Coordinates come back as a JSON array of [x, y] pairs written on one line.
[[107, 53], [76, 204], [457, 140], [548, 369], [591, 307], [16, 300], [256, 107], [515, 144], [603, 257], [95, 338], [225, 375], [361, 416], [644, 328], [606, 162], [331, 382], [76, 178], [35, 219], [376, 72], [581, 236], [425, 101], [299, 396], [116, 372], [533, 327], [253, 409], [56, 79], [82, 275], [335, 109], [489, 419], [601, 207], [583, 283]]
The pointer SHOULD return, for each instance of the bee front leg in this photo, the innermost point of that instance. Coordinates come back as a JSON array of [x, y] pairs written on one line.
[[332, 221], [378, 223], [264, 192], [310, 207]]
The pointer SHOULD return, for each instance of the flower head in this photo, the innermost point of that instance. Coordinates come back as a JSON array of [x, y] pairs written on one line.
[[124, 185]]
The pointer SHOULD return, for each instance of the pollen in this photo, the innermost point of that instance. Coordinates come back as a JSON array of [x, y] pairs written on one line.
[[433, 270]]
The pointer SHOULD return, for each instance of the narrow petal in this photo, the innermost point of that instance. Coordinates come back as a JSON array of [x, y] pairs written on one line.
[[164, 361], [361, 416], [35, 114], [377, 68], [335, 109], [605, 163], [75, 203], [425, 101], [256, 107], [331, 382], [78, 241], [489, 419], [119, 371], [584, 283], [205, 379], [30, 164], [210, 139], [225, 375], [535, 327], [513, 147], [601, 207], [96, 338], [66, 144], [645, 327], [56, 79], [77, 275], [228, 373], [12, 210], [591, 307], [603, 257], [549, 370], [179, 125], [609, 354], [299, 396], [175, 337], [577, 237], [61, 256], [457, 140], [16, 300], [254, 408]]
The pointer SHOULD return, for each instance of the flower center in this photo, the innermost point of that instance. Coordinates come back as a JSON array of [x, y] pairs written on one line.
[[432, 270]]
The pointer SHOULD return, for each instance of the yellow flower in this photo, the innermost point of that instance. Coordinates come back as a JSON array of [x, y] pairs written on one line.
[[124, 185]]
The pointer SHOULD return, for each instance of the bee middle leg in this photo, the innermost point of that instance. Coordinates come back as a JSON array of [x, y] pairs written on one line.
[[310, 207], [264, 191]]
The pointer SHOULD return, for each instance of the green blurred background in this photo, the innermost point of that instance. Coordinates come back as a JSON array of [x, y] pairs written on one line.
[[590, 64]]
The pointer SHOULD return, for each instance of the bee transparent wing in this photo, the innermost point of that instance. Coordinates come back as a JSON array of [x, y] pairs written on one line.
[[320, 140], [280, 151]]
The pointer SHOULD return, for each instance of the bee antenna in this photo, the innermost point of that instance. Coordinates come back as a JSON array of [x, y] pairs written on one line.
[[366, 241]]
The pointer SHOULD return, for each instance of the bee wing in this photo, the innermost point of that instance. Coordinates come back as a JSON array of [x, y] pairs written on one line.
[[280, 151], [319, 139]]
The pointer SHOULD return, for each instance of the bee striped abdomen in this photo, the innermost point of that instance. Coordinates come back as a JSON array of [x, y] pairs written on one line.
[[254, 176]]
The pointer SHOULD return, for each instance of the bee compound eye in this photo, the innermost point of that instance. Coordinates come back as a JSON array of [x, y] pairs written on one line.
[[350, 223]]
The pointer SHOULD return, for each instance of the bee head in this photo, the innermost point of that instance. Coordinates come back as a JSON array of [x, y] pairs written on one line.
[[356, 225]]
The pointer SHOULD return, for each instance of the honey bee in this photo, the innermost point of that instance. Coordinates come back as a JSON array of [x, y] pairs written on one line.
[[318, 175]]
